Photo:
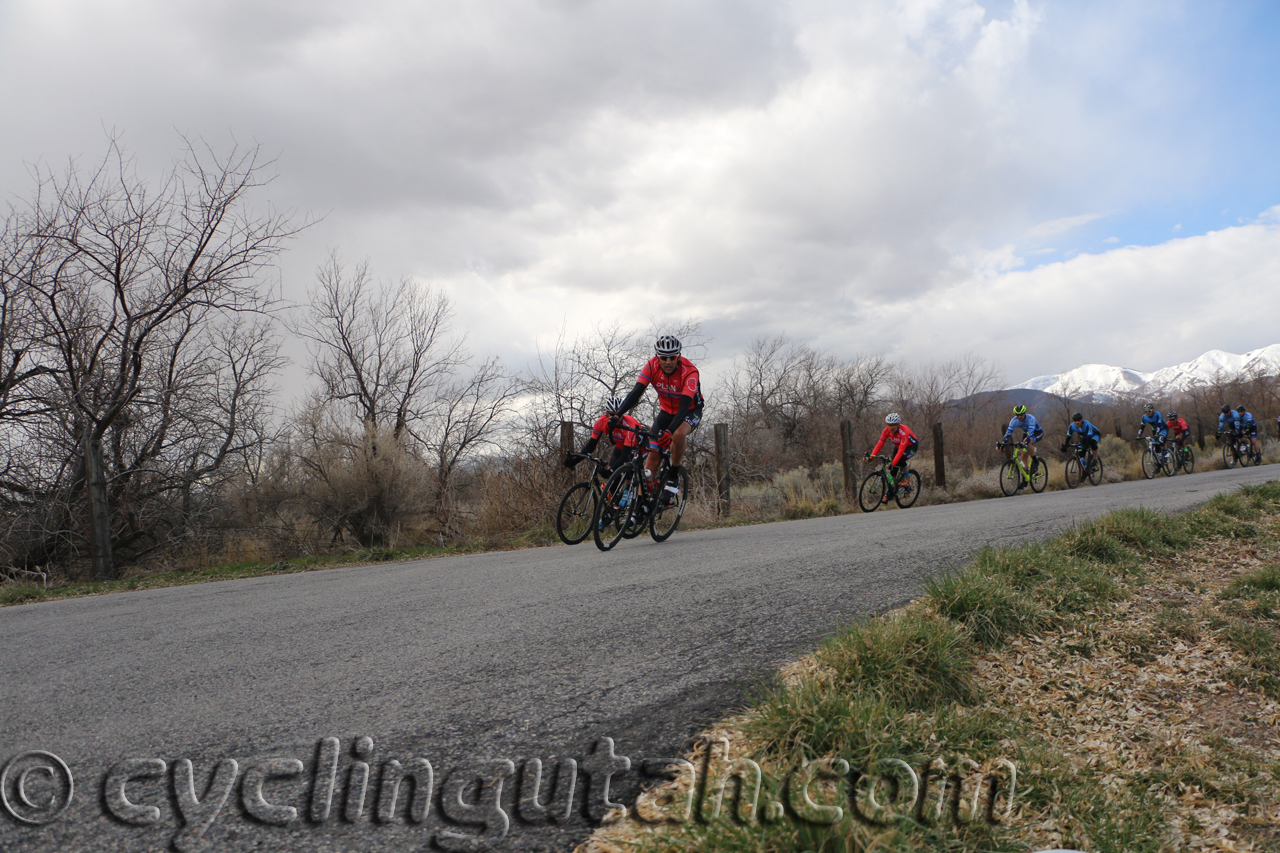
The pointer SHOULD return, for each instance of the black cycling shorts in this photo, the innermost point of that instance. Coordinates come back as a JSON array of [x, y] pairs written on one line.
[[1088, 443], [664, 419]]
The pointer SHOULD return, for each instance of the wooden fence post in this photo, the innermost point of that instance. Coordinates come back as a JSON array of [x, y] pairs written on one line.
[[939, 458], [846, 456], [566, 443], [722, 469]]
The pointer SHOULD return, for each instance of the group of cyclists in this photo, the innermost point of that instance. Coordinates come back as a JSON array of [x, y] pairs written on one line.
[[680, 402]]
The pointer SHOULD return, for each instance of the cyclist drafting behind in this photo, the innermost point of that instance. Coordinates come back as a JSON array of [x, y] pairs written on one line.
[[1031, 431], [1228, 423], [1155, 420], [1248, 426], [625, 442], [897, 433], [1089, 436], [680, 399], [1177, 426]]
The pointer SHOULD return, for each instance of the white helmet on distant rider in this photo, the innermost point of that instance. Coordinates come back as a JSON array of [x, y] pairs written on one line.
[[893, 419]]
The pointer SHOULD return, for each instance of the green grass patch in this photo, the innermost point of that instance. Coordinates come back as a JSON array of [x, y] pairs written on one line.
[[987, 606], [915, 661]]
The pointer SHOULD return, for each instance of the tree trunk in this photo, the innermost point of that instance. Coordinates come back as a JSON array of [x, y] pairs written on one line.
[[99, 512], [722, 469], [846, 456], [939, 458]]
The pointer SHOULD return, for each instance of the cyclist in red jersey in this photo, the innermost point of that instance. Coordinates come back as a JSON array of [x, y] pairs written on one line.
[[625, 442], [1178, 429], [897, 433], [680, 400]]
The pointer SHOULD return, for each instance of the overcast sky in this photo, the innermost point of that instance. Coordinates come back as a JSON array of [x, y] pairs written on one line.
[[1042, 183]]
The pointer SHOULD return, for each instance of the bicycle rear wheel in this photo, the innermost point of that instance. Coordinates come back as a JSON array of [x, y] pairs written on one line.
[[1074, 472], [577, 509], [1010, 478], [1188, 460], [1246, 454], [908, 489], [872, 491], [1167, 464], [615, 509], [1149, 463], [663, 520], [1095, 471]]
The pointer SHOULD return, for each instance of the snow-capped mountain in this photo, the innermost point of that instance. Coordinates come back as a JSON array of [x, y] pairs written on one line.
[[1092, 381]]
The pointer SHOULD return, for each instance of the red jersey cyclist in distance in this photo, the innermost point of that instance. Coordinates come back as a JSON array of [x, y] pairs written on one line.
[[899, 435]]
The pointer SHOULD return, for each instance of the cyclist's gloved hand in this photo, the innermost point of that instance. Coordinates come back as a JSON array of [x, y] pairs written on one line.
[[866, 456], [571, 460], [664, 440], [1063, 448]]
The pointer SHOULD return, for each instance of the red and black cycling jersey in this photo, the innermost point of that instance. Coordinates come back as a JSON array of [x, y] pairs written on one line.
[[903, 438], [1177, 426], [684, 382], [619, 437]]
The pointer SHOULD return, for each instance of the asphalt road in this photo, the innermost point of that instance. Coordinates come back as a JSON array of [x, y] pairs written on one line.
[[462, 661]]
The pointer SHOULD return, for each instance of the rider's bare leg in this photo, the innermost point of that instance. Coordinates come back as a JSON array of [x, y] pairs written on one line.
[[679, 441]]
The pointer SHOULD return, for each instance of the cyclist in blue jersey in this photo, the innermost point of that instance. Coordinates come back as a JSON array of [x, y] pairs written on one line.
[[1089, 434], [1155, 420], [1031, 431], [1228, 422], [1248, 426]]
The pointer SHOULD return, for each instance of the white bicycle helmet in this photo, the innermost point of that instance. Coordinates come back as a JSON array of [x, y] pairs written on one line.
[[893, 418], [667, 345], [612, 404]]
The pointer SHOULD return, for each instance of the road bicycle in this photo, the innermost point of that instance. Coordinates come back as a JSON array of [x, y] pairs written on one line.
[[630, 501], [1157, 456], [1081, 466], [882, 484], [1014, 473], [1183, 458], [578, 506], [1239, 449]]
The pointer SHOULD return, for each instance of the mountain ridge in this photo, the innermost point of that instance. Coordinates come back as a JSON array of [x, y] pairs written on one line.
[[1105, 381]]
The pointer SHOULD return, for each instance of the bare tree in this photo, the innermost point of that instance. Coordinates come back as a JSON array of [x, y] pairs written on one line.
[[411, 404], [123, 279], [381, 351]]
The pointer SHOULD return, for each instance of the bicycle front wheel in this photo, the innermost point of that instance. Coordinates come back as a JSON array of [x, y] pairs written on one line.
[[908, 489], [1073, 473], [577, 508], [614, 510], [871, 494], [1010, 477], [1167, 464], [1148, 463], [1188, 460], [1229, 455], [663, 520], [1095, 471]]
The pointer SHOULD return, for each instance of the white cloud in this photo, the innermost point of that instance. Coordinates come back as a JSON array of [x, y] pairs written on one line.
[[1141, 306], [1062, 225]]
